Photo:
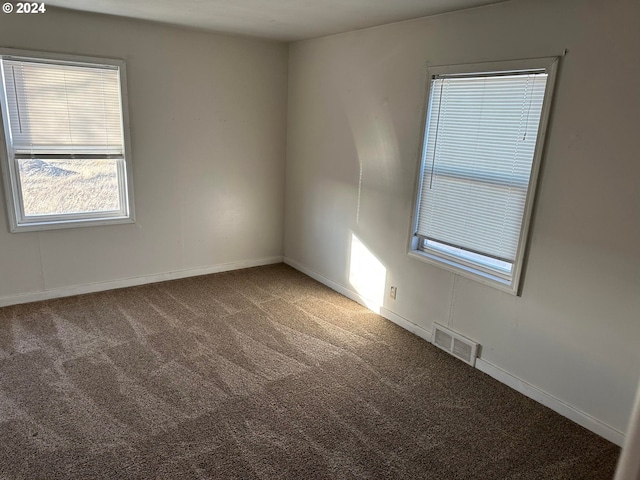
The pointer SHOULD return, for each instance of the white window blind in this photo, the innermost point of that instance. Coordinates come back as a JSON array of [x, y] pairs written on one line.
[[63, 108], [479, 148]]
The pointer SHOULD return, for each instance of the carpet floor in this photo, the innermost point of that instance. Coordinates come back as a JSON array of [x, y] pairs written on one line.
[[260, 373]]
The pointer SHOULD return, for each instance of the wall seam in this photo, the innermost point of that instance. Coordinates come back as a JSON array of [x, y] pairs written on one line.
[[452, 303], [40, 262]]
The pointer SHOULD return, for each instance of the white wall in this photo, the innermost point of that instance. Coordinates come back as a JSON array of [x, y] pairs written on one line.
[[208, 129], [354, 130]]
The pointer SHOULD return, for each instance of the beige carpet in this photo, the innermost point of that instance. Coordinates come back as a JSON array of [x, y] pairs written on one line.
[[260, 373]]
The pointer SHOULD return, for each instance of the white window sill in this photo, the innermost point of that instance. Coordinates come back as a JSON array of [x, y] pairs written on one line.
[[56, 225], [465, 271]]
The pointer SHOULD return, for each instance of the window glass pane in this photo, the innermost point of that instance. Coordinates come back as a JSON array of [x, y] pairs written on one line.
[[51, 187]]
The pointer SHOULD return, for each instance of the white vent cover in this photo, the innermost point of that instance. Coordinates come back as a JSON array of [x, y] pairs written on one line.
[[454, 343]]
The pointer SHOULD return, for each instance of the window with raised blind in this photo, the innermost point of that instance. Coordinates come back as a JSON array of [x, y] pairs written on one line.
[[483, 137], [66, 161]]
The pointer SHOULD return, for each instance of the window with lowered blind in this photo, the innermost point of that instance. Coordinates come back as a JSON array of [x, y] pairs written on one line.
[[66, 161], [483, 138]]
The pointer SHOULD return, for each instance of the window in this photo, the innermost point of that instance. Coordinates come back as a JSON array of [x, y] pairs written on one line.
[[65, 137], [483, 139]]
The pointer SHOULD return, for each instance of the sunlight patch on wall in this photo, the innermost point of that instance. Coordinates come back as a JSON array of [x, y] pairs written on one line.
[[367, 275]]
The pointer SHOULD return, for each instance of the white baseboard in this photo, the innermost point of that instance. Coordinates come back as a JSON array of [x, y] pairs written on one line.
[[133, 281], [555, 404], [373, 306], [564, 409], [406, 324]]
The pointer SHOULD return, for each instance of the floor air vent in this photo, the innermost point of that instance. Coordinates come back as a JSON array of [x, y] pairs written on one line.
[[454, 343]]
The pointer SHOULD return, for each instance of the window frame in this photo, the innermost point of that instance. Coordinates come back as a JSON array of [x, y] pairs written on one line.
[[8, 161], [452, 263]]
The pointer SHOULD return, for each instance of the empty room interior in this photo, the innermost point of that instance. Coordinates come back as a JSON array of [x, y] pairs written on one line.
[[352, 239]]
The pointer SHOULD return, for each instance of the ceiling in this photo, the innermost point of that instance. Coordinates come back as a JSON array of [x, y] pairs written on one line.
[[276, 19]]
